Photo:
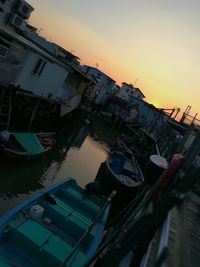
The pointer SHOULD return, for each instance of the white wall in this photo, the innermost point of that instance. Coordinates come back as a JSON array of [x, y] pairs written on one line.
[[10, 64], [124, 92], [51, 79]]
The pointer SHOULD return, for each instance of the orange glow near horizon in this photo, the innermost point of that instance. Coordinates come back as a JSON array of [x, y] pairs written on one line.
[[157, 49]]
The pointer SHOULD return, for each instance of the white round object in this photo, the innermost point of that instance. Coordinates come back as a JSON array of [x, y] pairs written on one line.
[[159, 161], [36, 211]]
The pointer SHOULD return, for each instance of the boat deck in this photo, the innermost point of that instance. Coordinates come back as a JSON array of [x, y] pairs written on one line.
[[180, 236], [47, 241]]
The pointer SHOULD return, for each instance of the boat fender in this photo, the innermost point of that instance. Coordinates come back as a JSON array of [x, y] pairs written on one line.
[[36, 211], [46, 142]]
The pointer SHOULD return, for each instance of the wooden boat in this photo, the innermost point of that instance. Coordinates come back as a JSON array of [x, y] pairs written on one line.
[[123, 171], [21, 146], [60, 226], [126, 146]]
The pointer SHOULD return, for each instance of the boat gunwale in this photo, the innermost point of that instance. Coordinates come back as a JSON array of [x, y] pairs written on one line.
[[24, 154], [31, 199], [36, 197], [116, 176]]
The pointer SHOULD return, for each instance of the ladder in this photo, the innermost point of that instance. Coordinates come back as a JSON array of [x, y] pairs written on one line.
[[5, 108]]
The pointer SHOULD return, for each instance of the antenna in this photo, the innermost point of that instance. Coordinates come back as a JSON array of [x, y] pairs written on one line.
[[40, 30], [135, 81]]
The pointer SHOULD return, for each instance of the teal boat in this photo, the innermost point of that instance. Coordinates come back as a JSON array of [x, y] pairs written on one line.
[[22, 145], [60, 226]]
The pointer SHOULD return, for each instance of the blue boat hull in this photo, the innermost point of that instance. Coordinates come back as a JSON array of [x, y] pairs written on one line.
[[119, 175], [29, 240]]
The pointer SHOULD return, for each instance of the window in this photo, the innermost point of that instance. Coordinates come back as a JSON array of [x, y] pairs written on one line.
[[25, 9], [39, 67], [3, 51]]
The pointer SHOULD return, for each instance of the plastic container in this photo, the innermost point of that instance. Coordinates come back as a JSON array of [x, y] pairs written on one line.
[[36, 211], [155, 167], [117, 162]]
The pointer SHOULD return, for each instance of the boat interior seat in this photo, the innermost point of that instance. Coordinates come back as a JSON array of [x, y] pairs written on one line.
[[4, 263], [71, 222], [74, 194], [69, 195], [41, 244], [66, 209]]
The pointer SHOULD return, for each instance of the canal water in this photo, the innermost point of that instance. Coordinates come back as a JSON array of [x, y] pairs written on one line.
[[79, 151]]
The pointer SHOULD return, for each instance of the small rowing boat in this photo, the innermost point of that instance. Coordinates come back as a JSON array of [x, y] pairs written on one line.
[[123, 171], [21, 146], [60, 226]]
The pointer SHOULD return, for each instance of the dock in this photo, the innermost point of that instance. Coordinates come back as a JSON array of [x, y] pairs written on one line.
[[177, 242]]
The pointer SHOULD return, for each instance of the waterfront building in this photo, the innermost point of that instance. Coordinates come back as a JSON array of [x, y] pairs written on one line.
[[104, 84], [28, 61], [31, 33], [129, 92], [14, 14]]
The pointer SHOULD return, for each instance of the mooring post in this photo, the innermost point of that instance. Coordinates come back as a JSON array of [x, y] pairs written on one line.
[[33, 114]]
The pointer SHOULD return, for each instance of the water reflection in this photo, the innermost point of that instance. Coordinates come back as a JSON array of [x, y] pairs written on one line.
[[75, 154]]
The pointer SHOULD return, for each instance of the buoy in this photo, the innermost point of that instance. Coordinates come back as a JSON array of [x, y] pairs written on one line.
[[46, 142]]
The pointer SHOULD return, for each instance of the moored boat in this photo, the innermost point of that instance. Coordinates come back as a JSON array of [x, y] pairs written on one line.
[[60, 226], [123, 171], [21, 146], [127, 147]]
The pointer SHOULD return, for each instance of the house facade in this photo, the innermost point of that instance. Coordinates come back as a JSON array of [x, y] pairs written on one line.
[[38, 72], [104, 86], [13, 19], [129, 92], [37, 66], [46, 76], [14, 14], [41, 76], [12, 56], [52, 48]]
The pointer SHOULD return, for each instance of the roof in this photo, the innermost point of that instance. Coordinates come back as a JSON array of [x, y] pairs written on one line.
[[84, 75], [130, 85], [27, 43], [177, 125], [64, 50], [99, 71], [46, 54], [136, 89]]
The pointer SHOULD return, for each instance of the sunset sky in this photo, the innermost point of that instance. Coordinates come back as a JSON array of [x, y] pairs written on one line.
[[154, 41]]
